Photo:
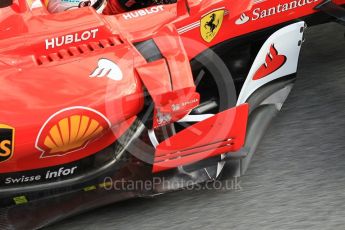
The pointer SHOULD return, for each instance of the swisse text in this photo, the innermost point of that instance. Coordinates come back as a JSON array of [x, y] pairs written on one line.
[[143, 12], [48, 175], [71, 38]]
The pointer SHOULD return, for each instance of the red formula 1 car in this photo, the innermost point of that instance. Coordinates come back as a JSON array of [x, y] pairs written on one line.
[[169, 93]]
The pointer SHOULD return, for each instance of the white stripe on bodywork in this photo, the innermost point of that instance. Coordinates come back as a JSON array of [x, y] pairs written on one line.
[[287, 41], [188, 27]]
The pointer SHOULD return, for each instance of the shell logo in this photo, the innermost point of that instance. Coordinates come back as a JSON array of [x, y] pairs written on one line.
[[70, 130]]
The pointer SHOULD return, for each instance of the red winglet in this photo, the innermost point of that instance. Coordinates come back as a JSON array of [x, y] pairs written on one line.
[[222, 133]]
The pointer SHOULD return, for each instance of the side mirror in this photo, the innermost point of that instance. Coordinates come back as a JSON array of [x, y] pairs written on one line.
[[5, 3]]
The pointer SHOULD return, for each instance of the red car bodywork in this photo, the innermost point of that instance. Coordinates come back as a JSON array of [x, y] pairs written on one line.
[[47, 60]]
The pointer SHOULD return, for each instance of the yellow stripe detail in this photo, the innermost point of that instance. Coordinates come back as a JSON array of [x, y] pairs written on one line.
[[90, 188], [93, 126], [64, 129], [74, 123], [83, 127], [55, 134], [49, 143], [20, 200], [105, 185]]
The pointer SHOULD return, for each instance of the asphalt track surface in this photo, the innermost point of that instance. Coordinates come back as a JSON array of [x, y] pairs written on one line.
[[296, 179]]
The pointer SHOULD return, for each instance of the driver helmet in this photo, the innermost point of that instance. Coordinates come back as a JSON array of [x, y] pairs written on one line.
[[55, 6]]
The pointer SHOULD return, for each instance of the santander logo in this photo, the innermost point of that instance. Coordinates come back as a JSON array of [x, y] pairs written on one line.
[[274, 61], [261, 13]]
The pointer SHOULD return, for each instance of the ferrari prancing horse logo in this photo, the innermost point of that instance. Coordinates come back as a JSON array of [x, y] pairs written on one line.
[[210, 25]]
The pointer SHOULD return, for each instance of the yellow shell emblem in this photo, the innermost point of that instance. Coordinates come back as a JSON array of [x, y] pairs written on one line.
[[70, 131], [210, 25]]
